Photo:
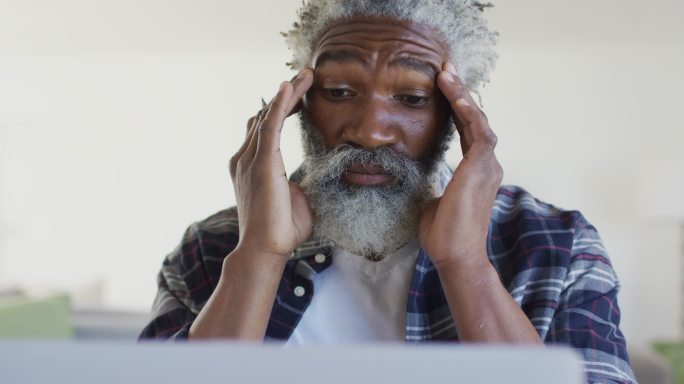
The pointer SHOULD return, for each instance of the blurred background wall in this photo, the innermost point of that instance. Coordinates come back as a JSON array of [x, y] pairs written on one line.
[[118, 118]]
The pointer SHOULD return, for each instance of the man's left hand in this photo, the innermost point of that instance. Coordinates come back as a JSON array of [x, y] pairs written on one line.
[[453, 228]]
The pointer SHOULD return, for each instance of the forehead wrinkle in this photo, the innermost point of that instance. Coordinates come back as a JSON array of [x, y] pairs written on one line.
[[374, 37], [392, 55], [376, 29], [372, 42]]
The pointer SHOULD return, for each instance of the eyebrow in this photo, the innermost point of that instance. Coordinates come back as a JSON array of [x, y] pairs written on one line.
[[416, 65], [339, 56]]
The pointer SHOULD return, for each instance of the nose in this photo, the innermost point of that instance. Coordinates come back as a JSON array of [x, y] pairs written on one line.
[[373, 126]]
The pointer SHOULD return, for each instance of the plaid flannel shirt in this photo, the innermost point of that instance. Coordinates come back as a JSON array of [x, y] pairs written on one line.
[[551, 261]]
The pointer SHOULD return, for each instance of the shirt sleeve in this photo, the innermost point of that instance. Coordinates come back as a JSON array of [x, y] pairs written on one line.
[[188, 277], [588, 316]]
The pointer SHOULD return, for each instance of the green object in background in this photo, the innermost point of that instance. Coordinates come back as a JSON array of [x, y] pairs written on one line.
[[45, 318], [674, 352]]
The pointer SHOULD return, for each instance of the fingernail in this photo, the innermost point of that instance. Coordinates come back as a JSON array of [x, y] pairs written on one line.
[[448, 76], [463, 102], [450, 67], [299, 74]]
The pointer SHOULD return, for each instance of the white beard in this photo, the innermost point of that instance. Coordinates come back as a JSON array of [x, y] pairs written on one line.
[[369, 221]]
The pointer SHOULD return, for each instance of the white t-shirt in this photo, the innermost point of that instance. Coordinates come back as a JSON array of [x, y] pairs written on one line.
[[357, 300]]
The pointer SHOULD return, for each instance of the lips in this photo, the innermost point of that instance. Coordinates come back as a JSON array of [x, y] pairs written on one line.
[[367, 175]]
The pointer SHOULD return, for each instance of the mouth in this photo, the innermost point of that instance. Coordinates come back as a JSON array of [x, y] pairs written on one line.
[[368, 175]]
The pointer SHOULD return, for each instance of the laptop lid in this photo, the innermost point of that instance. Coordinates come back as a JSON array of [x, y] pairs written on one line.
[[214, 362]]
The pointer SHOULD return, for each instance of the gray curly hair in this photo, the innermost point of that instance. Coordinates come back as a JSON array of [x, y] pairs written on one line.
[[460, 24]]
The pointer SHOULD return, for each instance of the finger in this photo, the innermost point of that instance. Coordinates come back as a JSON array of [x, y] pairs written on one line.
[[254, 133], [449, 67], [301, 84], [452, 88], [253, 123], [248, 134], [249, 124], [264, 106], [452, 93], [471, 122], [477, 134], [270, 127], [246, 144]]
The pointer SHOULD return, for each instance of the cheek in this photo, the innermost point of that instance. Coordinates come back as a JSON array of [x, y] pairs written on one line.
[[417, 140], [328, 119], [422, 129]]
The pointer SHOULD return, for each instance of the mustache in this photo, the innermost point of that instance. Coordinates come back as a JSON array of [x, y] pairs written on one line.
[[338, 160], [370, 221]]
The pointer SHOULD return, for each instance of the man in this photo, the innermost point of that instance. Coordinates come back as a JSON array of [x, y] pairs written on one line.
[[374, 238]]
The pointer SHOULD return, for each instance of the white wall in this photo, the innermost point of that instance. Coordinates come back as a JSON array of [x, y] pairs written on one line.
[[121, 116], [586, 96], [3, 189]]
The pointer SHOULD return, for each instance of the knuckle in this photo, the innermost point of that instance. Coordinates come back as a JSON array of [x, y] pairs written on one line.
[[490, 140], [260, 115], [262, 130], [233, 164], [256, 171], [261, 151], [266, 125], [498, 172]]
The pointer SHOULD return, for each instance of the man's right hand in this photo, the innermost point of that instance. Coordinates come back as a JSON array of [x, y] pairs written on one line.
[[273, 213], [274, 218]]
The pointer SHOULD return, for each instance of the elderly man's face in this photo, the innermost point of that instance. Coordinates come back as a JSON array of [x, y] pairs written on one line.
[[375, 86], [374, 125]]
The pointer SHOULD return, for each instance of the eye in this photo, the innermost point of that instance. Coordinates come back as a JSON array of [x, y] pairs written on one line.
[[338, 93], [413, 100]]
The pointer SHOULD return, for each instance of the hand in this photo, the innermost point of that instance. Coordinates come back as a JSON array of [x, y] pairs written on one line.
[[273, 213], [453, 228]]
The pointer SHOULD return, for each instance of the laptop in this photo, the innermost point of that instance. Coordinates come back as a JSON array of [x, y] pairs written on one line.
[[219, 362]]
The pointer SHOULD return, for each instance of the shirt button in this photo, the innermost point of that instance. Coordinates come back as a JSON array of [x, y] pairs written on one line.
[[299, 291], [320, 258]]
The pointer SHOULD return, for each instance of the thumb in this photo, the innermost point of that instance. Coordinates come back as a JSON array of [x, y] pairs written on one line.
[[427, 217], [302, 215]]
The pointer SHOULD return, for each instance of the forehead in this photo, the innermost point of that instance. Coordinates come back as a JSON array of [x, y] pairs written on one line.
[[374, 38]]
